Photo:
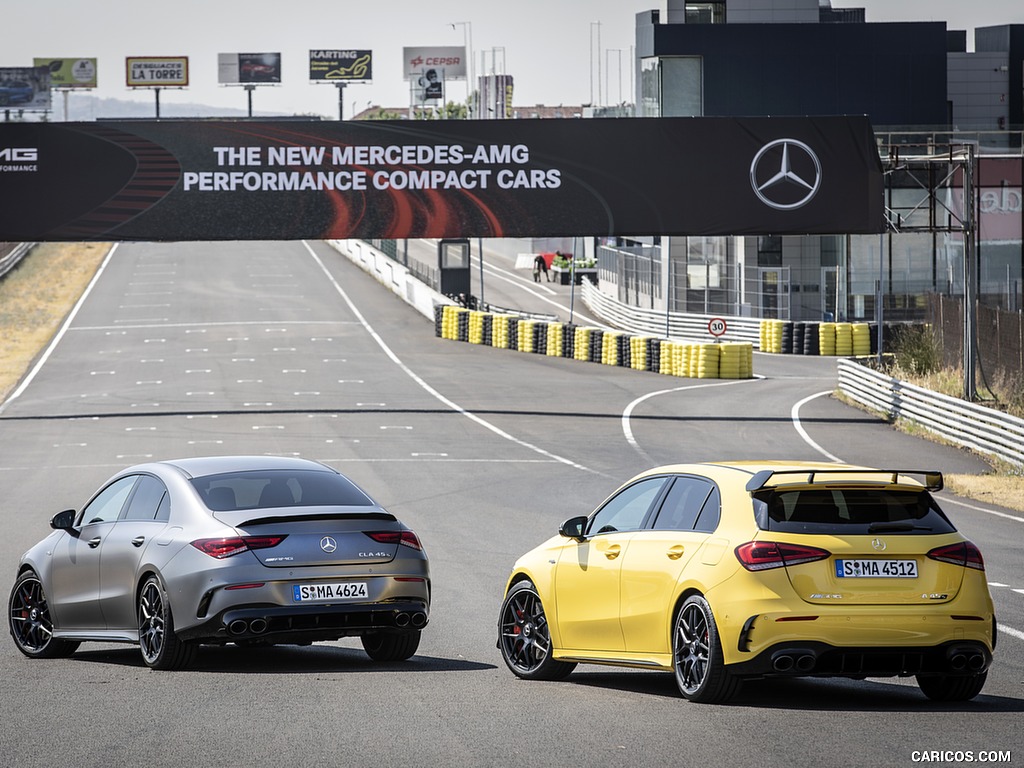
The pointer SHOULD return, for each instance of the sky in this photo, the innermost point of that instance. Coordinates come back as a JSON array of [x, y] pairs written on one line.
[[559, 52]]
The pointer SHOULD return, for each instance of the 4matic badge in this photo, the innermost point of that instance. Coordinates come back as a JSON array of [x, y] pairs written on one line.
[[785, 174]]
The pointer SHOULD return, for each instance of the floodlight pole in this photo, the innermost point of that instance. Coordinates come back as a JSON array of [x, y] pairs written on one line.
[[970, 283]]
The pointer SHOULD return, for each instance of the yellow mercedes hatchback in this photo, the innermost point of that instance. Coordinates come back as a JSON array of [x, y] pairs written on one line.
[[725, 572]]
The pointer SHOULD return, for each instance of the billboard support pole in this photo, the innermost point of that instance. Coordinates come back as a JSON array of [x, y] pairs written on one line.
[[341, 100], [156, 92]]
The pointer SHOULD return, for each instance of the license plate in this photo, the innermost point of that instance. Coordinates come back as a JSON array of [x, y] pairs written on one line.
[[318, 593], [877, 569]]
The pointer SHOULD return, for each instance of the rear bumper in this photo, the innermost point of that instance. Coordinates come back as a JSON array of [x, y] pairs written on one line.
[[817, 659], [309, 623]]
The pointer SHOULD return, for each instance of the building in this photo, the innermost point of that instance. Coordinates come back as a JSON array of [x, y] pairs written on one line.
[[924, 93]]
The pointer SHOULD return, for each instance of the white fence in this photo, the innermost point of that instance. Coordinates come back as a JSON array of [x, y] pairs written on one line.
[[670, 325], [973, 426], [10, 261]]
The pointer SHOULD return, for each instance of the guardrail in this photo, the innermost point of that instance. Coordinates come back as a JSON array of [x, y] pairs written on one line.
[[973, 426], [10, 261], [673, 325]]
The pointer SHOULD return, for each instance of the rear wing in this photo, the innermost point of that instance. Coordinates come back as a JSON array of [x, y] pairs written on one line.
[[931, 480]]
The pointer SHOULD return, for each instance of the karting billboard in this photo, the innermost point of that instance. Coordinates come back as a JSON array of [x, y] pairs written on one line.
[[252, 180]]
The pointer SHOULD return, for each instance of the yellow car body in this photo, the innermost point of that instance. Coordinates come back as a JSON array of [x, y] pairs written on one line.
[[753, 591]]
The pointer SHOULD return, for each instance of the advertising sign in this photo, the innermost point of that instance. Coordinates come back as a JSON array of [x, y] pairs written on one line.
[[70, 73], [266, 180], [25, 87], [451, 60], [244, 68], [341, 66], [156, 71]]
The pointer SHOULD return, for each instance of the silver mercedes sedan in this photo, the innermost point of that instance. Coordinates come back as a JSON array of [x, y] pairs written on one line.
[[250, 550]]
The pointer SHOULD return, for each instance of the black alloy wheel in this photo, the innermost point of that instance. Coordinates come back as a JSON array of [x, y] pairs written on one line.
[[697, 655], [30, 623], [161, 648], [524, 637]]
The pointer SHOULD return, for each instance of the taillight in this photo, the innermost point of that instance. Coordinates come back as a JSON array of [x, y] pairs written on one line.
[[963, 553], [765, 555], [408, 538], [232, 545]]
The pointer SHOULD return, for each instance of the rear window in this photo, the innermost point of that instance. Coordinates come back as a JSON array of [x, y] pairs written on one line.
[[850, 511], [278, 488]]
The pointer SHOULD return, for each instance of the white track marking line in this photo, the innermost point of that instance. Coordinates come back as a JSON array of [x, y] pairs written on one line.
[[426, 387], [794, 414]]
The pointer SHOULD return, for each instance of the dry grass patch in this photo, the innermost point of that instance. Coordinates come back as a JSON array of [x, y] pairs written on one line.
[[35, 297], [1004, 490]]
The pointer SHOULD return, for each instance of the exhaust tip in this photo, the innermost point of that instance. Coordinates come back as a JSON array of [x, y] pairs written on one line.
[[976, 662], [237, 627], [805, 663], [782, 663], [419, 619], [402, 620], [258, 626], [958, 662]]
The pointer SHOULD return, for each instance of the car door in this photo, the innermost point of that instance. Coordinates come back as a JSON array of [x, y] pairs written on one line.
[[656, 558], [142, 519], [75, 573], [586, 580]]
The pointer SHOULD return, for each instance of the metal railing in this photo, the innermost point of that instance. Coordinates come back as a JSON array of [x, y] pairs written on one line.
[[972, 426], [10, 260], [671, 325]]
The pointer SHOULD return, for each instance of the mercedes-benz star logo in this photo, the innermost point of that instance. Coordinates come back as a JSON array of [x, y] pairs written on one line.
[[785, 174], [878, 544], [328, 544]]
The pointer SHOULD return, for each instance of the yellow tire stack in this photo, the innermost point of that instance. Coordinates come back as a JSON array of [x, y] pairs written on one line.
[[827, 339], [610, 349], [735, 361], [476, 327], [844, 339], [555, 333], [581, 344], [861, 339], [638, 353], [667, 364], [707, 361], [526, 335]]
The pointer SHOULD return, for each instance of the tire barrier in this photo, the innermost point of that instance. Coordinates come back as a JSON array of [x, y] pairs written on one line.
[[727, 360], [827, 339]]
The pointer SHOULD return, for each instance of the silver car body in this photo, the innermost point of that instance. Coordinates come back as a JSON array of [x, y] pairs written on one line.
[[326, 579]]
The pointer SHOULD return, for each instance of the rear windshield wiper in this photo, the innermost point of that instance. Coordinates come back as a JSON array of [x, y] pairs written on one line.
[[896, 527]]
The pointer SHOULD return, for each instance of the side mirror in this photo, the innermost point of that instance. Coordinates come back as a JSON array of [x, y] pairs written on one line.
[[573, 528], [63, 521]]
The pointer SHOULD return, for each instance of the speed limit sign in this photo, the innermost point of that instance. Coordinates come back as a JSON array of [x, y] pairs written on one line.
[[717, 327]]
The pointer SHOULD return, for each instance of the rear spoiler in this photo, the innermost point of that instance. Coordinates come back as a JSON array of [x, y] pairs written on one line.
[[932, 480]]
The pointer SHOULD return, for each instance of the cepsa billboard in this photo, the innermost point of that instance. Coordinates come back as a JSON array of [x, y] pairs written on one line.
[[70, 73], [156, 71], [449, 59], [267, 180], [341, 66]]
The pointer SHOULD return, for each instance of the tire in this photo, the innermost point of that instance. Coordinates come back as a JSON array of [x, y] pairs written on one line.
[[391, 646], [161, 648], [697, 655], [524, 637], [951, 688], [28, 617]]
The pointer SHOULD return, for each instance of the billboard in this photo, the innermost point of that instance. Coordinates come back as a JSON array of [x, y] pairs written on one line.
[[70, 73], [265, 180], [156, 71], [449, 60], [246, 68], [341, 66], [25, 87]]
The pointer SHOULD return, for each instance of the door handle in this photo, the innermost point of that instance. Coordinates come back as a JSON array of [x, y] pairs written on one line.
[[94, 542], [675, 552], [613, 551], [138, 541]]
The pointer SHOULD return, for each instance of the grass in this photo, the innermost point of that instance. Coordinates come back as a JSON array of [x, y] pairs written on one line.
[[35, 297]]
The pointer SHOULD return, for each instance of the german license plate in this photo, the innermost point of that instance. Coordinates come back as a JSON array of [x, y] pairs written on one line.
[[319, 593], [876, 569]]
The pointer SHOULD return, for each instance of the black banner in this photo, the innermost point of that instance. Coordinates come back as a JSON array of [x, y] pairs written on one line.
[[244, 180]]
